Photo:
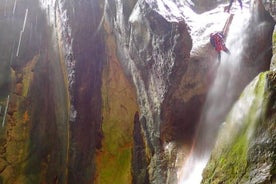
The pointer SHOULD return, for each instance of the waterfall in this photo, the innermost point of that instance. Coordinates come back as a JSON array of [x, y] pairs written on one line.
[[219, 100], [57, 17]]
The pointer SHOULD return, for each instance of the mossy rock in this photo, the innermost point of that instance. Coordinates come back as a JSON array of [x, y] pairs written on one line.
[[113, 160], [245, 149]]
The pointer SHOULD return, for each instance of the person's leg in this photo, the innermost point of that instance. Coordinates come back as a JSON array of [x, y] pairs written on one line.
[[229, 6], [240, 3], [226, 50], [219, 56]]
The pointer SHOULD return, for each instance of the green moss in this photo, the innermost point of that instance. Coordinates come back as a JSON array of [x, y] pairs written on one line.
[[230, 158], [28, 75], [16, 132], [274, 41], [117, 167], [16, 148], [113, 161], [231, 165]]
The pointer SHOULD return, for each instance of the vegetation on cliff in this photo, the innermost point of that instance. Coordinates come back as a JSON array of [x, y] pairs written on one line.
[[245, 150]]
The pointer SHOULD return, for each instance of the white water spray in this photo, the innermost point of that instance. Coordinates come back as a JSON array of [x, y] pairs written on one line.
[[21, 32], [219, 99], [14, 7], [6, 111]]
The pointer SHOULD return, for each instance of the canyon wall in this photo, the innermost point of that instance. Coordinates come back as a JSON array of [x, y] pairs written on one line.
[[105, 91]]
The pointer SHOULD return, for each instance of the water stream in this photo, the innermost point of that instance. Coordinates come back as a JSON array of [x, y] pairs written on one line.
[[219, 100]]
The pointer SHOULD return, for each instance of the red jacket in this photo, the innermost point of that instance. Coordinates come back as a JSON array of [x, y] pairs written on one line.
[[217, 41]]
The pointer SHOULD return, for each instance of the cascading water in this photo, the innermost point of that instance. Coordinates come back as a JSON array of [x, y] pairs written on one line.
[[58, 18], [219, 98]]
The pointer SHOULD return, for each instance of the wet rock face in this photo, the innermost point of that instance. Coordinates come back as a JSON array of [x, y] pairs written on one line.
[[38, 112], [34, 138], [119, 112], [89, 54], [139, 159], [154, 45], [247, 156], [273, 59], [180, 119], [153, 42], [159, 45], [259, 49], [200, 6], [55, 119]]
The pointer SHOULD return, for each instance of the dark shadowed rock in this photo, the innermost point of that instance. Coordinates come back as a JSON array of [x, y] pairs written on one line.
[[202, 5], [139, 160]]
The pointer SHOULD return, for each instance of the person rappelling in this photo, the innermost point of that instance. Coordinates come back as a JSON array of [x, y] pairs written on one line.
[[227, 8], [217, 41]]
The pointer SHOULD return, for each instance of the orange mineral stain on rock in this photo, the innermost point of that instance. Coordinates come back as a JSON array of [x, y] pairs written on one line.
[[26, 117], [16, 135]]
